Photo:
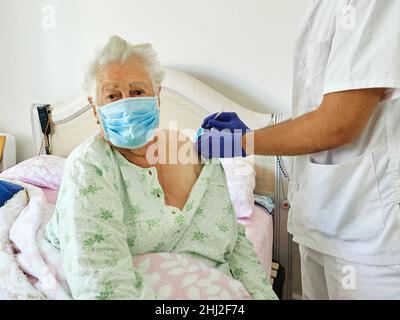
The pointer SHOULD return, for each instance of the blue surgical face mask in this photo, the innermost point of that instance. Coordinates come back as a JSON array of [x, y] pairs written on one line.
[[130, 123]]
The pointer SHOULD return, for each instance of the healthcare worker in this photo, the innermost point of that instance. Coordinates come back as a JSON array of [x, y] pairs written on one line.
[[344, 137]]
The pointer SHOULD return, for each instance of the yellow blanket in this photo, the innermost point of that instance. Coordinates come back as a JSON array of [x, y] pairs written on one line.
[[2, 143]]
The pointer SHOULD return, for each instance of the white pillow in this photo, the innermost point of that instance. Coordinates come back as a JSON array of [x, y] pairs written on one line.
[[241, 179]]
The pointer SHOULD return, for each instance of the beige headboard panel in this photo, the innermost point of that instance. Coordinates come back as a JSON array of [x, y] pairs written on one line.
[[185, 102]]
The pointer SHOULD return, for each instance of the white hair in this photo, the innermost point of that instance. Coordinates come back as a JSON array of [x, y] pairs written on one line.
[[119, 50]]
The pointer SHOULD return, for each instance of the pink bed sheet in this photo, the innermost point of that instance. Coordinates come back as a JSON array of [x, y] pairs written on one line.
[[259, 229], [51, 195]]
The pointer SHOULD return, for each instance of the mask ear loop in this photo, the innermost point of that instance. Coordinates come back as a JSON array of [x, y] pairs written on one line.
[[94, 106], [100, 122]]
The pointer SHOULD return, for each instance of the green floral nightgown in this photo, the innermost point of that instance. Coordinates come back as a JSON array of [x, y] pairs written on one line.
[[110, 210]]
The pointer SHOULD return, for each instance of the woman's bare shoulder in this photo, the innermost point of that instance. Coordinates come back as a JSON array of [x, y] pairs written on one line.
[[179, 149]]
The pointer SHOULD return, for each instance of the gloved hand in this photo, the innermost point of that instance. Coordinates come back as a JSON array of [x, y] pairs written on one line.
[[226, 120], [220, 144]]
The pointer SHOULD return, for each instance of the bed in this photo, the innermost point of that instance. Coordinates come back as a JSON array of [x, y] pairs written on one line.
[[185, 101]]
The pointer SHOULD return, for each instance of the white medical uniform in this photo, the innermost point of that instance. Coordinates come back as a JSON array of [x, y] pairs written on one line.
[[345, 202]]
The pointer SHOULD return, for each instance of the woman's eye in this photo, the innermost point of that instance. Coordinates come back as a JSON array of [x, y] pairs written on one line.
[[136, 93], [113, 96]]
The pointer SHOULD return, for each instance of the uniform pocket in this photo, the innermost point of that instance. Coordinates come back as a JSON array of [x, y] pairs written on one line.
[[345, 201]]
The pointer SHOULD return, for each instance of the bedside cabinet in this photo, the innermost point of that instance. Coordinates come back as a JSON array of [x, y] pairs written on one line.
[[7, 151]]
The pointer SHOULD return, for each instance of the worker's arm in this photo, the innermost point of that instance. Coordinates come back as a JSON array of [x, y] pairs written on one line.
[[339, 120]]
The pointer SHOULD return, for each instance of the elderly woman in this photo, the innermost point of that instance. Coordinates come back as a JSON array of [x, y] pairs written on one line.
[[116, 202]]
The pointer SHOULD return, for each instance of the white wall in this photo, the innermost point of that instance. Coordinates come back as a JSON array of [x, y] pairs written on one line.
[[242, 48]]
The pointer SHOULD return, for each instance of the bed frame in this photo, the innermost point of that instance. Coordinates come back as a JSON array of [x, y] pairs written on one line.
[[58, 128]]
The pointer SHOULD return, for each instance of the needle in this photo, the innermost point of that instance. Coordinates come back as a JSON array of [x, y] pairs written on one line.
[[201, 130], [216, 117]]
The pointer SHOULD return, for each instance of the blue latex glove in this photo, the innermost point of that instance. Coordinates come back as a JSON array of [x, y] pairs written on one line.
[[226, 120], [220, 144]]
